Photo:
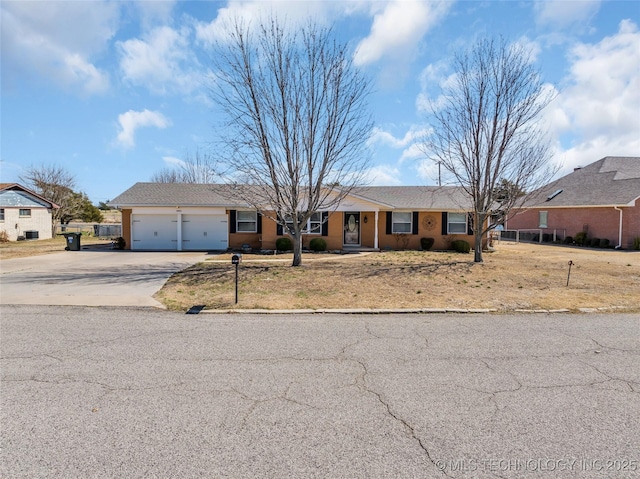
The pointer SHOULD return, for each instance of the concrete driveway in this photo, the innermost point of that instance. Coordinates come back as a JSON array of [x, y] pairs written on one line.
[[90, 277]]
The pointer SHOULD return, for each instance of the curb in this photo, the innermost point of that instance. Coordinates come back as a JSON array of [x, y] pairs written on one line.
[[348, 311], [201, 310]]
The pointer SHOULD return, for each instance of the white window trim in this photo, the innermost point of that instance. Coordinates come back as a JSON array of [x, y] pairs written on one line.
[[254, 221], [394, 222], [449, 222], [546, 219], [310, 224]]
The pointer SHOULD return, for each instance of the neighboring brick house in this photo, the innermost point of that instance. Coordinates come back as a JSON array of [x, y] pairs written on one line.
[[173, 216], [24, 214], [601, 199]]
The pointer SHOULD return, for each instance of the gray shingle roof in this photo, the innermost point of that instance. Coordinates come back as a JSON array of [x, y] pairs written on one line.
[[183, 194], [437, 198], [613, 180], [177, 194]]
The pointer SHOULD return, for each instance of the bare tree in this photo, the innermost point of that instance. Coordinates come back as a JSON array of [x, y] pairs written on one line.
[[297, 120], [198, 167], [55, 184], [487, 130]]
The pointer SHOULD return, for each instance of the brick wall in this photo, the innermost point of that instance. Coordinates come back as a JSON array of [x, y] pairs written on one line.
[[599, 222]]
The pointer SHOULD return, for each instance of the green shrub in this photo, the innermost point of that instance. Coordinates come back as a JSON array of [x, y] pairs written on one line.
[[284, 244], [461, 246], [636, 243], [318, 244], [427, 243], [604, 243], [595, 242], [581, 238], [568, 240]]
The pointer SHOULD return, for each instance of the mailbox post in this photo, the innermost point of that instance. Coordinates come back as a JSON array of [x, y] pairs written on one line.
[[236, 259]]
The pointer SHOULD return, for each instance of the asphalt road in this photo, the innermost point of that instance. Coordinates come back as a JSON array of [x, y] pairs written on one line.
[[117, 392]]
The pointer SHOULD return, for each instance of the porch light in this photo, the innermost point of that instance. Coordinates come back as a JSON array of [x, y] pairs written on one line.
[[365, 218]]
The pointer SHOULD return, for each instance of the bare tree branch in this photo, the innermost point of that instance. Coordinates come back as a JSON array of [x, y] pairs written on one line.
[[297, 120], [56, 184], [488, 132], [198, 167]]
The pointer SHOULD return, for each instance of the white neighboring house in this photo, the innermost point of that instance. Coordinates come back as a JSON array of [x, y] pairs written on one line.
[[24, 214]]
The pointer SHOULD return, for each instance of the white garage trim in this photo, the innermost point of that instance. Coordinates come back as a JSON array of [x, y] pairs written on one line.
[[171, 229]]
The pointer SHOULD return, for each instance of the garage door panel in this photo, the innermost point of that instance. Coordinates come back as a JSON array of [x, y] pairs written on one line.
[[154, 232], [204, 232]]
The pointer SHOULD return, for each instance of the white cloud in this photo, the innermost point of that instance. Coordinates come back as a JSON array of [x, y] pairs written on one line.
[[398, 28], [132, 120], [162, 61], [252, 12], [599, 105], [56, 40], [382, 175], [154, 12], [173, 161], [563, 13]]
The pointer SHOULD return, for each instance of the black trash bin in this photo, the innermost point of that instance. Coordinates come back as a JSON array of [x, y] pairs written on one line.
[[73, 241]]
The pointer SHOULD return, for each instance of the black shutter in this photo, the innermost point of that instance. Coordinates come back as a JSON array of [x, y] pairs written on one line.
[[325, 223], [389, 222], [232, 221], [470, 224], [414, 223], [259, 225], [445, 220], [279, 230]]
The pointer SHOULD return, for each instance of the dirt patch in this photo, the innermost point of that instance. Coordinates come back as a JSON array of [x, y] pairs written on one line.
[[515, 276]]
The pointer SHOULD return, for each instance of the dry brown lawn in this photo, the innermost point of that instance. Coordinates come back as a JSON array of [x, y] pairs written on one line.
[[515, 276], [20, 249]]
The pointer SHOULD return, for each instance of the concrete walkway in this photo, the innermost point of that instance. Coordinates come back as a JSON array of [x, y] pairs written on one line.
[[90, 278]]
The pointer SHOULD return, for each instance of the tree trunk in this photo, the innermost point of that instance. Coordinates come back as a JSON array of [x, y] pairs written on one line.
[[297, 250], [477, 258], [477, 232]]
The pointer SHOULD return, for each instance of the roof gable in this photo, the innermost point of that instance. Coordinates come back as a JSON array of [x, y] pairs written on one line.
[[15, 195]]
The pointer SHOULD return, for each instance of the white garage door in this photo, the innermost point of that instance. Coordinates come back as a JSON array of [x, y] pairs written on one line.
[[204, 232], [154, 232]]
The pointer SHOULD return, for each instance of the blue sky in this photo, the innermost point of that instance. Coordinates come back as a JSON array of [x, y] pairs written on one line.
[[114, 91]]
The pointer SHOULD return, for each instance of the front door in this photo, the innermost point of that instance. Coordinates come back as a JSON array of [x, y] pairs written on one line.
[[352, 229]]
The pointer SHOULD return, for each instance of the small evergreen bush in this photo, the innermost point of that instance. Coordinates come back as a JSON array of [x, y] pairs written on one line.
[[461, 246], [318, 244], [636, 243], [568, 240], [595, 242], [427, 243], [604, 243], [284, 244], [581, 238]]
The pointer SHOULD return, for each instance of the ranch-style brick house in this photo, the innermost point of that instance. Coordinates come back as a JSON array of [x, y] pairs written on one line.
[[24, 214], [202, 217], [601, 199]]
